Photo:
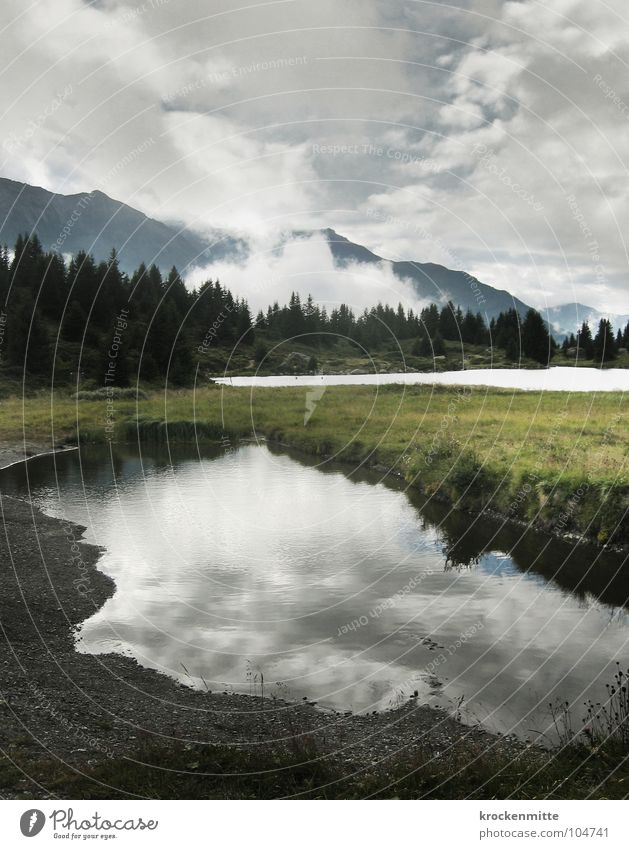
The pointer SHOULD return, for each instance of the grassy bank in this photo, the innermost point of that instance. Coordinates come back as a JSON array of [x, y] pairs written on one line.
[[557, 460]]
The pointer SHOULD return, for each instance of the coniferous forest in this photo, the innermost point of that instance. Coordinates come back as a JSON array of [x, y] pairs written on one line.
[[81, 320]]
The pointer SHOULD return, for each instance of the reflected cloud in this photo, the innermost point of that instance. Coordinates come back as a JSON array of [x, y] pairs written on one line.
[[348, 591]]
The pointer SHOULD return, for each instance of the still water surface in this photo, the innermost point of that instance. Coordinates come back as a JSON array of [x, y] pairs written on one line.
[[555, 379], [342, 589]]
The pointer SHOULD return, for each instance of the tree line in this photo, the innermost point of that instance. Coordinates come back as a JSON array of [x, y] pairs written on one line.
[[70, 313], [600, 347], [90, 320]]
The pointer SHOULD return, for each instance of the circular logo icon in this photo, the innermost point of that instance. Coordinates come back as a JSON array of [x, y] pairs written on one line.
[[32, 822]]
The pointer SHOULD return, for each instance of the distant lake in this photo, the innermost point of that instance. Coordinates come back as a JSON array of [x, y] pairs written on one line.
[[559, 378], [338, 587]]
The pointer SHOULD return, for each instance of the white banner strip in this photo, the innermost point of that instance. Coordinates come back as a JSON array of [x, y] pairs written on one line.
[[312, 825]]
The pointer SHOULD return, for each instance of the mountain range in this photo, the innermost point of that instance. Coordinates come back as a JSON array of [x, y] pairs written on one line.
[[432, 282], [566, 318], [96, 223]]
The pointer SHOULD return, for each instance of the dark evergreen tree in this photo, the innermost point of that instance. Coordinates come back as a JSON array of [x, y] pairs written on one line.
[[438, 345], [429, 319], [54, 290], [167, 322], [176, 292], [27, 267], [585, 343], [449, 325], [74, 322], [83, 282], [112, 293], [604, 342], [536, 340], [260, 352], [505, 333], [5, 275], [27, 340]]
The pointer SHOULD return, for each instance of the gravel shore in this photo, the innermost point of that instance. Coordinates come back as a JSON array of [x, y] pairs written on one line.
[[57, 703]]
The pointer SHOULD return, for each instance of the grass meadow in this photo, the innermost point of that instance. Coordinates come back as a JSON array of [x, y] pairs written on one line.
[[558, 460]]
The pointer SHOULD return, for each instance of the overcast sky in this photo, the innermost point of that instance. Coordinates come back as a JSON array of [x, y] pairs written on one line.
[[486, 135]]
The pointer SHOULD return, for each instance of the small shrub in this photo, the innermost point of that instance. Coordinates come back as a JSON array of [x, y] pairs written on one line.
[[608, 721], [471, 481]]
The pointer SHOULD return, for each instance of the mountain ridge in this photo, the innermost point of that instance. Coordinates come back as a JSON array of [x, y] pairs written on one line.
[[431, 281], [96, 223]]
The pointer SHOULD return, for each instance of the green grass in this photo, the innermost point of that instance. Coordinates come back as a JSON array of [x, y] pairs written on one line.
[[556, 459]]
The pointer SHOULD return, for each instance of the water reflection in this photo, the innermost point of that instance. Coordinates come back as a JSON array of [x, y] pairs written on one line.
[[343, 589]]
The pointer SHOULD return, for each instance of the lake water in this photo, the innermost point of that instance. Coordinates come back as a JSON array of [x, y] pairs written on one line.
[[343, 589], [559, 378]]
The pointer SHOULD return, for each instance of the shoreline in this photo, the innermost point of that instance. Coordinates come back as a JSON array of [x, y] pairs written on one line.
[[82, 710], [554, 462], [442, 498], [12, 454]]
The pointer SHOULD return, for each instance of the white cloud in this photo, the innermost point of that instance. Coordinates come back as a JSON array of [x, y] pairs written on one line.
[[306, 265], [236, 101]]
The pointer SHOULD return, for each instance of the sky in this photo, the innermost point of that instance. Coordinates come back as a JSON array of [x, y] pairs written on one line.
[[486, 135]]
